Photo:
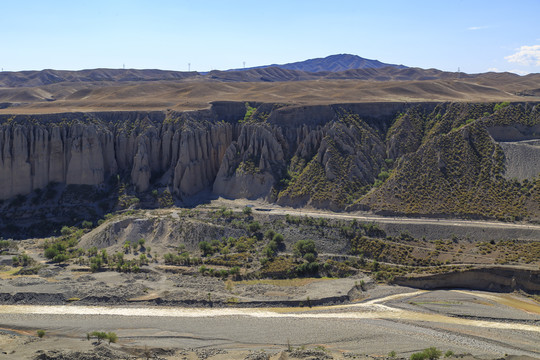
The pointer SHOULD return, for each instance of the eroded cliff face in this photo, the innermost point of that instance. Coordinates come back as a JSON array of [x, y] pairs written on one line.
[[188, 152], [33, 155], [183, 151], [405, 158]]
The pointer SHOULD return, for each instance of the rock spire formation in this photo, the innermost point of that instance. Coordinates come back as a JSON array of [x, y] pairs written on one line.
[[189, 152], [344, 156], [88, 149]]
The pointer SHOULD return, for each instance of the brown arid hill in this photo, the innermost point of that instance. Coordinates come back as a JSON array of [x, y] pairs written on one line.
[[53, 91], [198, 94]]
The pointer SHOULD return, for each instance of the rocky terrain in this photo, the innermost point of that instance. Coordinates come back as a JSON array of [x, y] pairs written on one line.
[[449, 159]]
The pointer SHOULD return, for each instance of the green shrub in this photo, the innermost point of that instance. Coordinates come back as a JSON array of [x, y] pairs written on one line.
[[254, 226], [271, 249], [22, 260], [206, 248], [41, 333], [112, 337], [66, 230], [431, 353], [269, 234], [310, 257], [303, 247], [87, 224], [500, 106], [278, 238], [418, 356], [99, 335]]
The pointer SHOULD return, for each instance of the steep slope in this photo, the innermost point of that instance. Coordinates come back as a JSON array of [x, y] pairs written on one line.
[[458, 168]]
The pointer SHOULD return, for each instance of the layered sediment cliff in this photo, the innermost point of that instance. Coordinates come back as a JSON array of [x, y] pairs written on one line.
[[191, 151], [423, 158], [183, 151]]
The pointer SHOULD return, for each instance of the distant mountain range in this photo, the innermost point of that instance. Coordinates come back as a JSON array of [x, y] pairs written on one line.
[[332, 63], [334, 67]]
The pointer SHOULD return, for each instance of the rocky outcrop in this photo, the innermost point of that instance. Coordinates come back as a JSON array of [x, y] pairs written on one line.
[[31, 156], [405, 158], [332, 162], [200, 153], [251, 163], [184, 154], [188, 152]]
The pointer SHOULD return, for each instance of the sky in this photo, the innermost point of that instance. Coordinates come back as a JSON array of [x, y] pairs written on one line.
[[472, 35]]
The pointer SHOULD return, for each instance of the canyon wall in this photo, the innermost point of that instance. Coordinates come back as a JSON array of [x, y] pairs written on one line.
[[183, 150], [397, 157], [217, 149]]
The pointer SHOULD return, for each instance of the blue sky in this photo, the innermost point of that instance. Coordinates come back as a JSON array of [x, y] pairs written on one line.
[[474, 35]]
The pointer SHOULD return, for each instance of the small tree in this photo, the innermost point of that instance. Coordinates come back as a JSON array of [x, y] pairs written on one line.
[[141, 243], [269, 234], [99, 335], [206, 248], [303, 247], [254, 226], [112, 337], [41, 333]]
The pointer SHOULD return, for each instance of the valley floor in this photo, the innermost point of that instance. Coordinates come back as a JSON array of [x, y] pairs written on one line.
[[177, 312], [390, 318]]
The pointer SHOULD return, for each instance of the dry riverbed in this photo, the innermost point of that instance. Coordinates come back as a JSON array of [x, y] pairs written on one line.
[[382, 319]]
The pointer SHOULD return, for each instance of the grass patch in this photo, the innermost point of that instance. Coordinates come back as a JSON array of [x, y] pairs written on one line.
[[10, 273]]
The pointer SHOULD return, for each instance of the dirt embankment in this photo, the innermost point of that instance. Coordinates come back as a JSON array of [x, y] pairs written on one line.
[[498, 279]]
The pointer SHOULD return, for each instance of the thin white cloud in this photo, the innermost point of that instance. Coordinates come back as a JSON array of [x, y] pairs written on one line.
[[526, 55], [519, 72], [472, 28], [494, 69]]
